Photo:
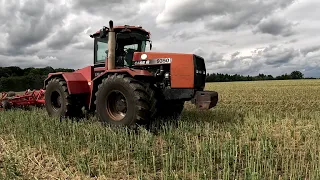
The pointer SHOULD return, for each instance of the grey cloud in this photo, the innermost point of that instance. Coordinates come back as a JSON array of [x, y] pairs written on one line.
[[28, 61], [310, 49], [291, 41], [189, 11], [179, 35], [95, 5], [215, 57], [220, 15], [117, 9], [40, 29], [275, 26], [6, 9], [188, 34], [32, 23], [261, 58], [223, 23], [209, 58], [277, 58], [87, 45], [45, 33], [311, 71], [200, 52], [235, 54], [66, 36]]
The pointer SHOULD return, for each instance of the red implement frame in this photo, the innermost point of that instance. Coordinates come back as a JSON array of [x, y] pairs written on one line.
[[29, 98]]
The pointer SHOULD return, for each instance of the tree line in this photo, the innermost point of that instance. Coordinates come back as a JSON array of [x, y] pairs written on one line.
[[217, 77], [17, 79]]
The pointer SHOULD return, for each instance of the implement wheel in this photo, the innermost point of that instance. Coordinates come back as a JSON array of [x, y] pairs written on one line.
[[124, 101], [6, 105]]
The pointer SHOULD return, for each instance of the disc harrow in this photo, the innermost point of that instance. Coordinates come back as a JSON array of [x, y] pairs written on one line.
[[9, 100]]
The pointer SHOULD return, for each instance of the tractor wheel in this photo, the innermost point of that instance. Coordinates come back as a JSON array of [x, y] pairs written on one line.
[[59, 102], [124, 101], [169, 109]]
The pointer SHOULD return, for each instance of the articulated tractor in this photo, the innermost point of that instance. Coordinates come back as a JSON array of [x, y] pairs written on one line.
[[127, 85]]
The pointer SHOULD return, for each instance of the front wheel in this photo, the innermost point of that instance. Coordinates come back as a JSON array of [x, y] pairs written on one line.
[[123, 101]]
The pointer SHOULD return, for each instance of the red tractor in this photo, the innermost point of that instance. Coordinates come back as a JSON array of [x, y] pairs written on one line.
[[127, 85]]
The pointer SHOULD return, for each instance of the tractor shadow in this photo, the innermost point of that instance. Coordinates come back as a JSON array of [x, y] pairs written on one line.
[[190, 117], [219, 117]]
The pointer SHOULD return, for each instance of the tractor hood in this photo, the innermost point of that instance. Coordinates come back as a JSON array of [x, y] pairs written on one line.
[[156, 58]]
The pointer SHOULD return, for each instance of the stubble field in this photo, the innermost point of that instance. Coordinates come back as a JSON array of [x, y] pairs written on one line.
[[259, 130]]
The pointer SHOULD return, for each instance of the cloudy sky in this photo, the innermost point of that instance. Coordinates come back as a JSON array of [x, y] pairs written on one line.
[[247, 37]]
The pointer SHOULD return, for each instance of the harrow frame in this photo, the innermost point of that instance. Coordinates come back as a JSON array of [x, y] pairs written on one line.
[[29, 98]]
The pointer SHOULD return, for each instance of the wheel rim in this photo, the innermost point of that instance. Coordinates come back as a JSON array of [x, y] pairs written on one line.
[[56, 100], [116, 105]]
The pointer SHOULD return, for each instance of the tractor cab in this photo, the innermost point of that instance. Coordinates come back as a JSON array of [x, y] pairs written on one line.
[[129, 39]]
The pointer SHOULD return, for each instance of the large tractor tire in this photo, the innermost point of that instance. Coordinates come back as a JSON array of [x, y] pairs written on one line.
[[59, 103], [124, 101]]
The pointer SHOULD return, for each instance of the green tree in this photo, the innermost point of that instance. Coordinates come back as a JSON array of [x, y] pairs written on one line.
[[296, 75]]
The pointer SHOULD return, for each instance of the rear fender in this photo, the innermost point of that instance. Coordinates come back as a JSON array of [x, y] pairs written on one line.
[[76, 82], [135, 73]]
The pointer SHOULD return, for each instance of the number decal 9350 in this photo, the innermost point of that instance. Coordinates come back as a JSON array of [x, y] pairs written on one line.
[[163, 60]]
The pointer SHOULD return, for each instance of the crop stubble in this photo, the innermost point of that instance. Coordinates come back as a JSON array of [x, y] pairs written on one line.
[[259, 130]]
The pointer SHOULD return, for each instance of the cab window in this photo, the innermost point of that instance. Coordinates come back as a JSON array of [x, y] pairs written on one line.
[[131, 46], [101, 54]]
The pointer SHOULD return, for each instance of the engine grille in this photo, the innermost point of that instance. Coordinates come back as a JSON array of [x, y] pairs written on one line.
[[199, 72]]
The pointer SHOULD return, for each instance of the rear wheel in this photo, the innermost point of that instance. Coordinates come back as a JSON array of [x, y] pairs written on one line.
[[124, 101], [59, 102]]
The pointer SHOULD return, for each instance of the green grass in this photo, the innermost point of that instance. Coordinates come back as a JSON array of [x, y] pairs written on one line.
[[259, 130]]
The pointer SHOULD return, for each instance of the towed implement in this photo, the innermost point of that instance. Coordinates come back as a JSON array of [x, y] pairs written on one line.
[[29, 98]]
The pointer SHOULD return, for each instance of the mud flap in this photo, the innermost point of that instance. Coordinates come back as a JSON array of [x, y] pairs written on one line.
[[205, 99]]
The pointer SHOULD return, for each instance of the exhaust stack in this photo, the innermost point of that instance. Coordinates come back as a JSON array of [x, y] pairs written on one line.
[[111, 46]]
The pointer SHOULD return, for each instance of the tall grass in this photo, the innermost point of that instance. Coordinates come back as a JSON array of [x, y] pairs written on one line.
[[259, 130]]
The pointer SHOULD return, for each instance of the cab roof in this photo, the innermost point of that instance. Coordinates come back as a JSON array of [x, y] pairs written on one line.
[[118, 29]]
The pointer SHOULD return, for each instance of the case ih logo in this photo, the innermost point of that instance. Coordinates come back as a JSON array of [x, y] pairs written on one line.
[[142, 62]]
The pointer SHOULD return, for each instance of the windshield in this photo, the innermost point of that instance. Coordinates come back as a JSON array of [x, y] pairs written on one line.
[[141, 46], [134, 41]]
